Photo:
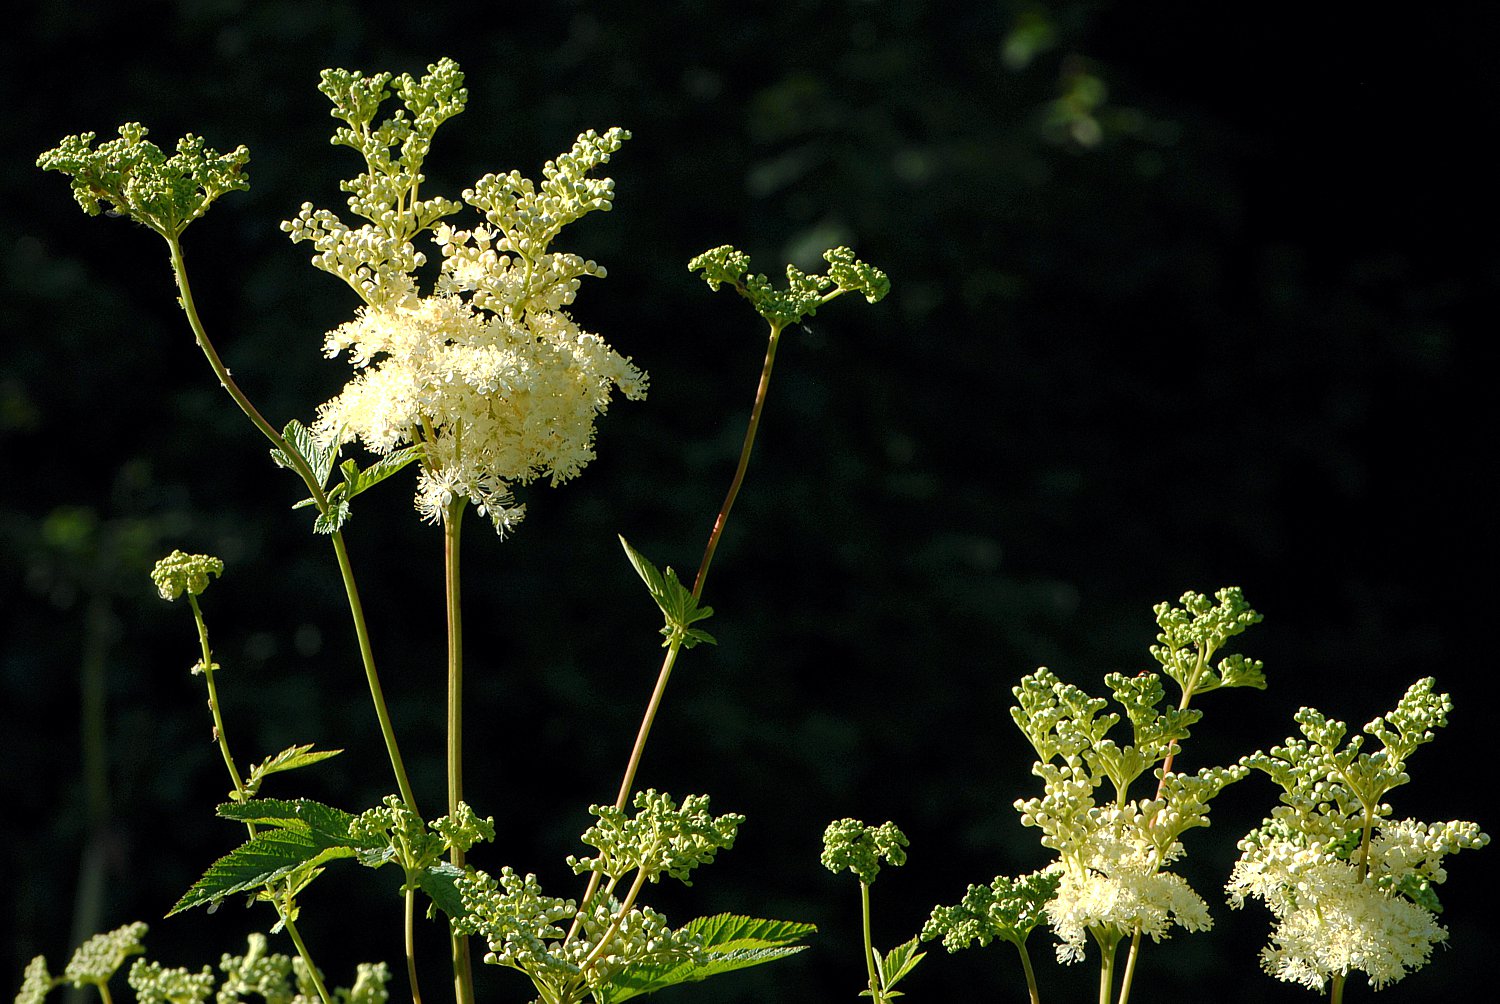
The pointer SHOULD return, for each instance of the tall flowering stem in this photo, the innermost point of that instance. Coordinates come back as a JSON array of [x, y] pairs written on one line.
[[463, 967], [181, 574], [320, 498]]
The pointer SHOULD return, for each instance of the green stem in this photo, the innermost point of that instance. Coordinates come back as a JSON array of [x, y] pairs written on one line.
[[616, 920], [213, 701], [739, 473], [644, 732], [463, 969], [1107, 946], [1336, 990], [312, 970], [179, 269], [1134, 953], [411, 945], [372, 678], [283, 911], [636, 753], [864, 903], [104, 994], [1031, 988]]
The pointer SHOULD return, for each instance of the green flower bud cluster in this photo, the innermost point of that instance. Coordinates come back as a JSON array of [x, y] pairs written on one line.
[[94, 963], [190, 573], [1192, 633], [137, 179], [527, 216], [1008, 909], [97, 959], [517, 921], [393, 832], [155, 984], [386, 193], [643, 938], [804, 293], [849, 843], [267, 975], [660, 839], [274, 978]]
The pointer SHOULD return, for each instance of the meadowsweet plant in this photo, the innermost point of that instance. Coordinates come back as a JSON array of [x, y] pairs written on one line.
[[1110, 881], [468, 370], [1349, 886], [848, 844], [475, 373]]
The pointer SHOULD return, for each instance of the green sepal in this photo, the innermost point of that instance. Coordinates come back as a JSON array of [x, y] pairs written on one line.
[[729, 942], [677, 603]]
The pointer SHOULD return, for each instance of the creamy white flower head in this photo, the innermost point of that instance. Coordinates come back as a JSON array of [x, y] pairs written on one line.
[[495, 402], [1330, 921], [487, 375], [1116, 884]]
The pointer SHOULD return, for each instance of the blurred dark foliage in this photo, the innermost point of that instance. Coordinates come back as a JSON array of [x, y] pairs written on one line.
[[1185, 295]]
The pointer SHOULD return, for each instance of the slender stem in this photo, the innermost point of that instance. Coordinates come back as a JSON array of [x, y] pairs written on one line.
[[463, 969], [638, 750], [372, 678], [283, 910], [411, 945], [864, 903], [312, 970], [1166, 765], [1107, 945], [646, 721], [617, 919], [1134, 953], [635, 761], [739, 473], [1336, 990], [452, 524], [1036, 997], [104, 993], [207, 665], [179, 269]]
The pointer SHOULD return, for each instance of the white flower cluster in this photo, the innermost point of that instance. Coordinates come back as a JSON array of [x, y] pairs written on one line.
[[1111, 861], [1332, 918], [1349, 887], [494, 401], [488, 374]]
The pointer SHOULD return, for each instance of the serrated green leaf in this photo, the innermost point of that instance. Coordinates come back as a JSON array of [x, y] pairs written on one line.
[[318, 459], [897, 963], [649, 979], [730, 942], [290, 759], [677, 604], [728, 932], [324, 824], [437, 881], [334, 519], [357, 480], [262, 859]]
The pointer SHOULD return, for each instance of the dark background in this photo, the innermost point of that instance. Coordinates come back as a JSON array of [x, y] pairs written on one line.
[[1184, 295]]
